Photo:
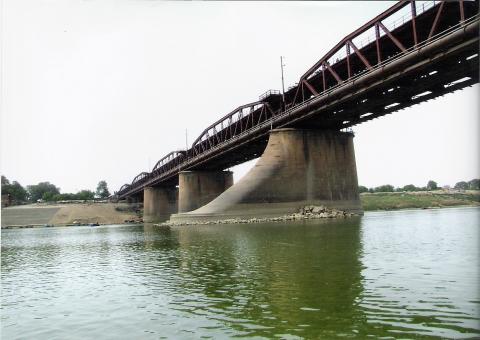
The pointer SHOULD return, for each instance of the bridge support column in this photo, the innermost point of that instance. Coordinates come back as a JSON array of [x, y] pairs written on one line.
[[159, 203], [197, 188], [297, 168]]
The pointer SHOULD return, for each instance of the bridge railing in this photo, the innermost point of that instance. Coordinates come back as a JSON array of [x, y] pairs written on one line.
[[169, 161], [236, 122]]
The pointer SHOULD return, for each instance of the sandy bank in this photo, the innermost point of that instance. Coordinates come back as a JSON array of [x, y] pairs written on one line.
[[63, 214]]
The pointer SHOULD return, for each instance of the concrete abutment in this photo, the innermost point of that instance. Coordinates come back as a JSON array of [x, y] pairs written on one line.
[[159, 203], [297, 168], [197, 188]]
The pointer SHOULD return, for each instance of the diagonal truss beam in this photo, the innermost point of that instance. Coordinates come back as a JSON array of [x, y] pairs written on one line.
[[390, 35], [310, 87], [333, 73], [435, 22], [360, 55]]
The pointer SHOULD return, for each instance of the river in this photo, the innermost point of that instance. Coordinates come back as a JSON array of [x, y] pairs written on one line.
[[402, 274]]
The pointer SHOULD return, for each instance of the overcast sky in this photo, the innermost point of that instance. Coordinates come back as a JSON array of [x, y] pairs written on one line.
[[97, 89]]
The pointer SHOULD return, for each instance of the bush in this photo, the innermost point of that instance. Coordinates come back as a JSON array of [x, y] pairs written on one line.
[[17, 193], [461, 185], [432, 185], [361, 189], [384, 188], [410, 187], [474, 184]]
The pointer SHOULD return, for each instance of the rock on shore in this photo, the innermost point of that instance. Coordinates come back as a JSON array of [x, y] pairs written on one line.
[[305, 213]]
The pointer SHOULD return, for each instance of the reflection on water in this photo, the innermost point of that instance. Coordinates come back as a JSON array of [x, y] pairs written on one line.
[[398, 274]]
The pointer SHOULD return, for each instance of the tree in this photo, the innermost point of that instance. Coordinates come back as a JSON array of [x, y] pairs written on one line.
[[410, 187], [474, 184], [384, 188], [361, 189], [48, 196], [5, 181], [85, 195], [15, 190], [36, 192], [432, 185], [102, 190], [461, 185]]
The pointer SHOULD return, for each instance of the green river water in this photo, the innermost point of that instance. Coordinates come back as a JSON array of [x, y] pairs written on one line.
[[405, 274]]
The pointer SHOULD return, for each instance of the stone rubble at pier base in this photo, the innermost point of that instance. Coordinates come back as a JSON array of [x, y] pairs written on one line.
[[306, 213]]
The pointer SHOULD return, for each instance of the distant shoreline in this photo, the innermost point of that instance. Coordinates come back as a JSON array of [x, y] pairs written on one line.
[[386, 201]]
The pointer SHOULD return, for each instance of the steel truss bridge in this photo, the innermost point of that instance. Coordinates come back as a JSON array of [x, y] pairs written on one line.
[[413, 52]]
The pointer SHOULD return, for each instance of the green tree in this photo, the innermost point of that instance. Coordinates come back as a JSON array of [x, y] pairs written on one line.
[[36, 192], [57, 197], [384, 188], [102, 190], [48, 196], [474, 184], [461, 185], [15, 190], [432, 185], [361, 189], [5, 181], [410, 187], [85, 195]]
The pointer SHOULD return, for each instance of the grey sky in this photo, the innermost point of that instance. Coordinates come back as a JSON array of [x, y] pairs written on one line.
[[103, 89]]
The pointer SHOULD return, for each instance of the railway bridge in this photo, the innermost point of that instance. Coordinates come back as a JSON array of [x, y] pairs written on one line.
[[413, 52]]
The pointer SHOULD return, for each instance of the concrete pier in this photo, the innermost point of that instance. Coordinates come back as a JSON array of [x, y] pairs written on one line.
[[297, 168], [197, 188], [159, 203]]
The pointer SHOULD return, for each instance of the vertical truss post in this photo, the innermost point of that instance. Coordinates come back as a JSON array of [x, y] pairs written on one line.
[[348, 60], [377, 41], [323, 74], [414, 26], [462, 12]]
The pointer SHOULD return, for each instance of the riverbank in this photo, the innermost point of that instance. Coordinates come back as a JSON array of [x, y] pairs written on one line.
[[419, 199], [73, 214]]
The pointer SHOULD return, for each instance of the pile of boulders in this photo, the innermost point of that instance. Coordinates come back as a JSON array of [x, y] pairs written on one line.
[[305, 213], [313, 211], [133, 221]]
